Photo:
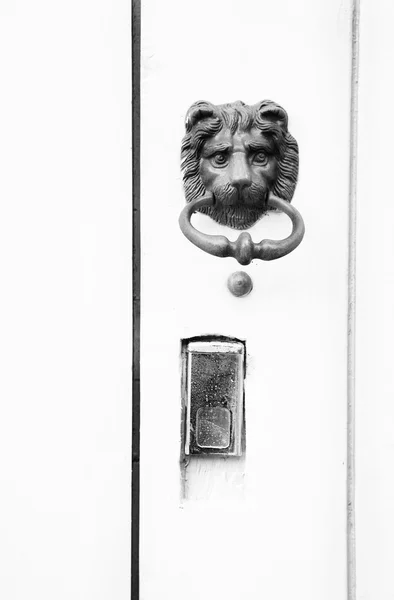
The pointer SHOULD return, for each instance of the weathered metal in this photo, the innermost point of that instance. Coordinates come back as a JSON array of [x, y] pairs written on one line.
[[244, 250], [238, 163], [240, 284]]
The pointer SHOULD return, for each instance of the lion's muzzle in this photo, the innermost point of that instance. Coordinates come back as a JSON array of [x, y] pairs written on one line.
[[253, 196]]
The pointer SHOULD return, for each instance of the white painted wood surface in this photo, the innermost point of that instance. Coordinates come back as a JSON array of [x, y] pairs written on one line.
[[65, 302], [375, 307], [273, 526]]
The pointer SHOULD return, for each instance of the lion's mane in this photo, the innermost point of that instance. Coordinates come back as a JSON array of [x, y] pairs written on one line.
[[205, 120]]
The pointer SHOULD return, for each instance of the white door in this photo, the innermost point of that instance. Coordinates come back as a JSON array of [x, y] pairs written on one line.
[[65, 238], [374, 309], [270, 523]]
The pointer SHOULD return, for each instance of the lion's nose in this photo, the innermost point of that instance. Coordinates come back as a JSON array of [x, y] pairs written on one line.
[[240, 176]]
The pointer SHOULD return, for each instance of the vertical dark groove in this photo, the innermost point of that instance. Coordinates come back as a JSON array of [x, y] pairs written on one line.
[[351, 376], [135, 477]]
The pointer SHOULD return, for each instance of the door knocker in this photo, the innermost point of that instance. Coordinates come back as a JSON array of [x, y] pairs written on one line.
[[239, 162]]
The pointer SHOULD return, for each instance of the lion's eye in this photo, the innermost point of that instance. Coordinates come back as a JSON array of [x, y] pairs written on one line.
[[219, 159], [260, 158]]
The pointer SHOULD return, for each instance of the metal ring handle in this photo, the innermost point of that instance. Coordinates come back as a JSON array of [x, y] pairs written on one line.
[[244, 250]]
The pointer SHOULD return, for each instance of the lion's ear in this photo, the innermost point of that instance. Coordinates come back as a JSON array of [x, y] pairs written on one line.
[[272, 112], [197, 111]]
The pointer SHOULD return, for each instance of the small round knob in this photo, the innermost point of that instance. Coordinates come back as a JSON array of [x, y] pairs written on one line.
[[240, 284]]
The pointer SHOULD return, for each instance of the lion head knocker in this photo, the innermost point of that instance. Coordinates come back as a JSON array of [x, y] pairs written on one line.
[[239, 162]]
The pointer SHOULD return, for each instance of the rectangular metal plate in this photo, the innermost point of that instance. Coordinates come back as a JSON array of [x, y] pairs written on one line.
[[214, 397]]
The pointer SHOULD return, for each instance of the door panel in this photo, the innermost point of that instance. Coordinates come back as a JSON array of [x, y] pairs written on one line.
[[271, 523], [375, 315]]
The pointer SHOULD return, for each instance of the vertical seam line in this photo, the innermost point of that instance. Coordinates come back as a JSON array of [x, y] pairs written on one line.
[[351, 342], [136, 278]]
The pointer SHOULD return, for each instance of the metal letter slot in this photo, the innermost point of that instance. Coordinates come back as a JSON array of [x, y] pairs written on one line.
[[214, 397]]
